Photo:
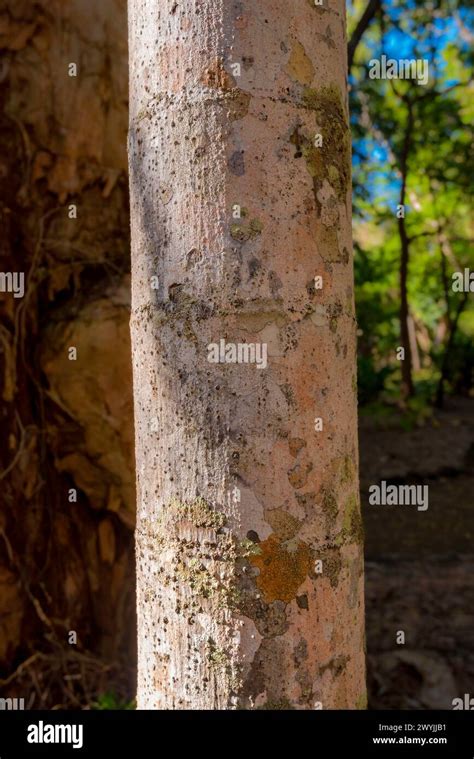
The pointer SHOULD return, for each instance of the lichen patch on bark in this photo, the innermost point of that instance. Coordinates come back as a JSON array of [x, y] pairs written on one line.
[[299, 66], [283, 567], [244, 232], [330, 161]]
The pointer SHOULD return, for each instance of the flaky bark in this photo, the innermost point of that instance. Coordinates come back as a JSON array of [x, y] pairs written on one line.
[[239, 497]]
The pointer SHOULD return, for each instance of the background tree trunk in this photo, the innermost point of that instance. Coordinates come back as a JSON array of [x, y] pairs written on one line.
[[407, 386], [239, 498], [65, 425]]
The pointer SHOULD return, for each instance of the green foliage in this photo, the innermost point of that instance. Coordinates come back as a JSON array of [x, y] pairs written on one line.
[[109, 701], [438, 218]]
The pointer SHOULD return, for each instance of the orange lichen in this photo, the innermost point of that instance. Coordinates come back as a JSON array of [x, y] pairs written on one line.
[[283, 568]]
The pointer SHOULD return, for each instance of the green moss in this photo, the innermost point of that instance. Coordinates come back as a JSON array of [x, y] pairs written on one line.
[[221, 663], [331, 161], [352, 527], [282, 704], [256, 226], [329, 506], [248, 548], [198, 578], [198, 512], [348, 470], [218, 658], [361, 702], [333, 175]]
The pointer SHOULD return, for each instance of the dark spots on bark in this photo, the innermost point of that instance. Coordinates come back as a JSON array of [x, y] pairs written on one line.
[[300, 652], [327, 38], [255, 682], [174, 291], [236, 163], [253, 536], [290, 337], [193, 257], [310, 288], [307, 501], [302, 602], [238, 8], [254, 266], [275, 283], [289, 394], [295, 139], [335, 311]]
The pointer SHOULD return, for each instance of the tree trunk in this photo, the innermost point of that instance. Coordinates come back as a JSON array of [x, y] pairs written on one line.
[[415, 354], [453, 327], [371, 9], [407, 387], [249, 556], [407, 373]]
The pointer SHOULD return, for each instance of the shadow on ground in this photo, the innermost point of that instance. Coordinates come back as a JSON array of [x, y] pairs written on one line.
[[420, 564]]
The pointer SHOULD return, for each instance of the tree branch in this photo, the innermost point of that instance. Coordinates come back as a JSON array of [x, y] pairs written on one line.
[[364, 21]]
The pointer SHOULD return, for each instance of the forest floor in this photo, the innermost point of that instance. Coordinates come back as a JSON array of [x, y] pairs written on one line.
[[420, 564]]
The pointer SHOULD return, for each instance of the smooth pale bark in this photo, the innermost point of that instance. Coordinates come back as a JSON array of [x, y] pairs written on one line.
[[254, 602]]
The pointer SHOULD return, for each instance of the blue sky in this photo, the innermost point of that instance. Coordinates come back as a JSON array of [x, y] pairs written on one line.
[[405, 38]]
